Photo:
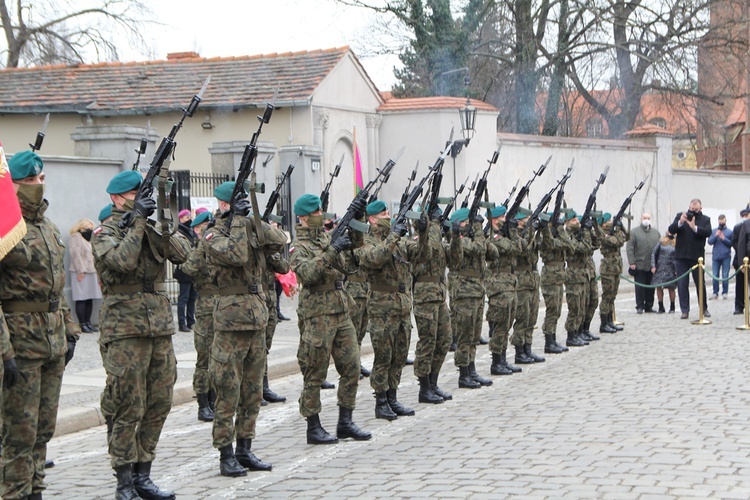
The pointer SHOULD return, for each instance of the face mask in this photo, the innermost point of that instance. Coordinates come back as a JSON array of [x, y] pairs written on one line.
[[188, 222], [646, 224], [722, 226], [31, 194], [670, 236], [86, 233], [128, 205], [384, 223], [329, 225], [315, 221]]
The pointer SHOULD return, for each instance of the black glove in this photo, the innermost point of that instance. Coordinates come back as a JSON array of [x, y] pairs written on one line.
[[422, 223], [589, 224], [11, 373], [71, 349], [456, 227], [342, 242], [145, 207], [619, 223], [241, 207], [358, 207], [512, 223], [478, 218], [399, 228]]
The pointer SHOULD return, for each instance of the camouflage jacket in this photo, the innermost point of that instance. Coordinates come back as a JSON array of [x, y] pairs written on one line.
[[319, 270], [6, 349], [239, 261], [525, 266], [611, 246], [128, 262], [595, 234], [275, 263], [467, 261], [500, 277], [429, 273], [553, 250], [33, 272], [204, 280], [387, 258], [578, 271]]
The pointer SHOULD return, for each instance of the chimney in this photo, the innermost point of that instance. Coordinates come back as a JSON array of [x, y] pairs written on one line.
[[179, 56]]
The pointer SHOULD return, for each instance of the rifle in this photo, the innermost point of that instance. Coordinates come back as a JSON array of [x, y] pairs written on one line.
[[559, 201], [348, 221], [512, 192], [40, 135], [383, 180], [625, 205], [163, 153], [449, 207], [274, 198], [141, 150], [481, 188], [468, 193], [542, 206], [325, 194], [592, 197], [413, 176], [513, 210]]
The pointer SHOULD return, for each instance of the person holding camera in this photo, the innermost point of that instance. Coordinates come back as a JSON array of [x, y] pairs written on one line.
[[691, 228]]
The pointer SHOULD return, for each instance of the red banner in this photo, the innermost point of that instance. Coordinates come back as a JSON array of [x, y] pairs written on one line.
[[12, 226]]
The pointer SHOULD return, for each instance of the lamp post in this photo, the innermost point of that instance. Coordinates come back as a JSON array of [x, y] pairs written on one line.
[[468, 117]]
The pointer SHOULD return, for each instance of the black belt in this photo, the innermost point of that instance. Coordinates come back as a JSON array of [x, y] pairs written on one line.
[[12, 306], [354, 278], [139, 288], [400, 288], [241, 290], [328, 287], [428, 279]]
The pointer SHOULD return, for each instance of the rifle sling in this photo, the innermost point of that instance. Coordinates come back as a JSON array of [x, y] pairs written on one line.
[[258, 225]]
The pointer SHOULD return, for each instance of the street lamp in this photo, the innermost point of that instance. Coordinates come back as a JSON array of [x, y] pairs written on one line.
[[468, 117]]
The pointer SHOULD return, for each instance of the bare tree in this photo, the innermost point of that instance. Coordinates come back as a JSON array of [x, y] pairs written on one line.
[[49, 32]]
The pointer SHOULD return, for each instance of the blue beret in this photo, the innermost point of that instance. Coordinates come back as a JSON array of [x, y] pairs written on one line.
[[498, 211], [25, 164], [224, 191], [124, 182], [376, 207], [570, 214], [201, 218], [105, 212], [460, 215], [307, 204]]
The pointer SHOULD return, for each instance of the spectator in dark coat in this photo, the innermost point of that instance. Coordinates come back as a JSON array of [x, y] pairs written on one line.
[[188, 294], [739, 283], [691, 228]]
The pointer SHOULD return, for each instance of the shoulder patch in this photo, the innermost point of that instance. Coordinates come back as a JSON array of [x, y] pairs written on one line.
[[209, 236], [98, 230]]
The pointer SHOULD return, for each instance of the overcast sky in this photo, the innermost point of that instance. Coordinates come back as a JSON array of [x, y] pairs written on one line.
[[219, 28]]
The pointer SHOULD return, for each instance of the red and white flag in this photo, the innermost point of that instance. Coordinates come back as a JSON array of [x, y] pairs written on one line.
[[12, 225]]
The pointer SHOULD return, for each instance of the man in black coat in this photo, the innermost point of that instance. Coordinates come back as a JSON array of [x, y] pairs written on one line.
[[691, 229], [739, 283], [188, 294]]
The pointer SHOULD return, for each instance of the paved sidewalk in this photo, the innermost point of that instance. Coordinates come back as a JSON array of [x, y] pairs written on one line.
[[657, 411]]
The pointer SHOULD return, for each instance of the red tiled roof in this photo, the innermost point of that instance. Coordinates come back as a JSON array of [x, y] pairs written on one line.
[[439, 102], [159, 86], [648, 129]]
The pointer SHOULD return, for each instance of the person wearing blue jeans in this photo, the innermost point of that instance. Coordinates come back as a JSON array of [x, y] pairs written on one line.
[[721, 241]]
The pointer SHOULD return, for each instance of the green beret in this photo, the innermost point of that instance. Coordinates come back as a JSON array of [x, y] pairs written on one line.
[[201, 218], [570, 214], [522, 213], [498, 211], [124, 182], [460, 215], [376, 207], [224, 191], [105, 212], [25, 164], [606, 216], [307, 204]]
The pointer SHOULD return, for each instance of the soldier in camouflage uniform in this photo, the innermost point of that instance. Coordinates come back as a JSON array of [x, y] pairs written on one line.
[[576, 279], [610, 267], [42, 335], [500, 284], [527, 292], [386, 256], [555, 242], [136, 328], [197, 267], [591, 293], [468, 253], [237, 250], [431, 311], [328, 329], [357, 287]]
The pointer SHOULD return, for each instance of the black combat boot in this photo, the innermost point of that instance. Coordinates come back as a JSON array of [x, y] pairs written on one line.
[[269, 395], [477, 377], [437, 390], [497, 367], [398, 408], [521, 357], [581, 337], [564, 349], [532, 355], [327, 385], [228, 464], [348, 429], [586, 332], [49, 463], [612, 322], [574, 341], [364, 371], [247, 458], [550, 346], [212, 399], [454, 345], [605, 327], [483, 341], [145, 486], [205, 414], [316, 434], [125, 489], [35, 496], [382, 408], [504, 361], [465, 381], [426, 393]]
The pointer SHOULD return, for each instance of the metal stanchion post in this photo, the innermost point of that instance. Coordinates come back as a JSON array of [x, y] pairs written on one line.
[[701, 320], [614, 319], [744, 266]]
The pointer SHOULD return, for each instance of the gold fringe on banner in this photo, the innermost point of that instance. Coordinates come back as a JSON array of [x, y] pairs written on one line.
[[14, 236]]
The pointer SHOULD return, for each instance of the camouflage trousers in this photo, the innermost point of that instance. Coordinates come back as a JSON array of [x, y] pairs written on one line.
[[468, 327], [553, 297], [203, 337], [527, 311], [610, 285], [390, 335], [106, 405], [237, 364], [325, 336], [273, 321], [142, 372], [358, 314], [501, 311], [434, 330], [574, 297], [591, 296], [29, 418]]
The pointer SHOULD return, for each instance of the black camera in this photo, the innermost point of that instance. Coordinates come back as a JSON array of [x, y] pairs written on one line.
[[690, 214]]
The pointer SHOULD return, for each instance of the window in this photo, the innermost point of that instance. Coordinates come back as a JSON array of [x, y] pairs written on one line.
[[659, 122], [594, 128]]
